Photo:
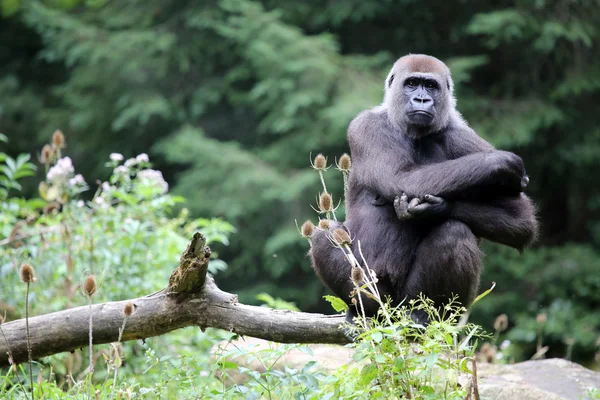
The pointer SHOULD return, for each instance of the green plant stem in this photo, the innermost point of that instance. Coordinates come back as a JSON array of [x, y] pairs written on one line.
[[29, 358], [114, 386], [91, 368], [345, 175]]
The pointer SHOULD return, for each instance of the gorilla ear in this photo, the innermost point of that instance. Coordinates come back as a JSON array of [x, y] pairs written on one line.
[[391, 80]]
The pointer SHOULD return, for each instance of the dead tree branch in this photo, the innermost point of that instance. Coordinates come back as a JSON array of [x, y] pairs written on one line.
[[192, 298]]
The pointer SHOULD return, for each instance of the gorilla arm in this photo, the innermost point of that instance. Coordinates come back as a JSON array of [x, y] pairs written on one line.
[[510, 220], [381, 163], [507, 220]]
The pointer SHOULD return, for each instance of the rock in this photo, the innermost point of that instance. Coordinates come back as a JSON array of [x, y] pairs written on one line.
[[551, 379]]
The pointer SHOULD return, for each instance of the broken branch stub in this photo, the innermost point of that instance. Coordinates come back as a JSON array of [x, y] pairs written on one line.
[[190, 275]]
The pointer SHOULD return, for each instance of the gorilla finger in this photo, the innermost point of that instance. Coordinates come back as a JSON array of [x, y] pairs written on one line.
[[433, 199], [414, 202], [524, 182], [401, 208], [419, 209]]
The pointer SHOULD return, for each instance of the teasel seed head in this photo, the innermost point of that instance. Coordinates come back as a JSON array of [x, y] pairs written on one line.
[[58, 139], [47, 154], [541, 318], [320, 162], [89, 286], [324, 224], [27, 273], [128, 309], [501, 323], [345, 163], [341, 237], [325, 202], [307, 229], [488, 352], [357, 275]]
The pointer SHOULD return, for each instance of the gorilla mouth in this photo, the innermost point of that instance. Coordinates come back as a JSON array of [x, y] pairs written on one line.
[[422, 113]]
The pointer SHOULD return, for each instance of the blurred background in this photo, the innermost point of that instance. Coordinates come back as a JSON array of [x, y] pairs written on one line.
[[230, 98]]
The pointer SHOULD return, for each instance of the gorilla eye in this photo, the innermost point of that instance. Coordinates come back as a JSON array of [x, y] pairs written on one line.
[[411, 83], [391, 80], [431, 85]]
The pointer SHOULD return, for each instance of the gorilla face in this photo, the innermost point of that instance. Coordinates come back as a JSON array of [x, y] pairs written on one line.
[[422, 96]]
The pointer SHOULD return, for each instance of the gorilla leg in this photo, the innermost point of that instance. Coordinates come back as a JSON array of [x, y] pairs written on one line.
[[334, 269], [448, 262]]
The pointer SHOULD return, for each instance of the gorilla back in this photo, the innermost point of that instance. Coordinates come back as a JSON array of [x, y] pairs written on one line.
[[424, 187]]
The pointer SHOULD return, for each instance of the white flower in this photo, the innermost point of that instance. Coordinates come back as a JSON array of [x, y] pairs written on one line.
[[61, 171], [155, 178], [100, 201], [130, 163], [106, 186], [116, 157], [121, 170], [80, 203], [77, 180], [504, 345], [142, 158]]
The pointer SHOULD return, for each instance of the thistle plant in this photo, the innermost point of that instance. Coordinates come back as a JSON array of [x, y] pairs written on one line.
[[128, 310], [89, 289], [28, 277]]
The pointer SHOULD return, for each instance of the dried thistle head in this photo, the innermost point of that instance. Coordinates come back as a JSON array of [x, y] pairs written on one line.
[[325, 202], [354, 301], [345, 163], [324, 224], [89, 286], [488, 352], [320, 162], [501, 323], [27, 273], [307, 229], [341, 237], [128, 309], [58, 139], [541, 319], [357, 275], [46, 154]]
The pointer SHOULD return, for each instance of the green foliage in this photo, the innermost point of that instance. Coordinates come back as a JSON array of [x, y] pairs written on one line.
[[232, 97], [128, 235], [277, 304], [336, 303], [11, 171]]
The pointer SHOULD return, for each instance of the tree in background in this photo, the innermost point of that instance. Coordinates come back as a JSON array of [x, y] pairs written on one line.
[[248, 89]]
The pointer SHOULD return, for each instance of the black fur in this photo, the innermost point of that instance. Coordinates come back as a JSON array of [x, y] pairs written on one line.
[[437, 256]]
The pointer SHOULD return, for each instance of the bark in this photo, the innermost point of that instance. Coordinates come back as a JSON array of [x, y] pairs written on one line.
[[192, 298]]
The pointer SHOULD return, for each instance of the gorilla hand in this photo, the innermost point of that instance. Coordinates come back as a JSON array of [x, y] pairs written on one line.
[[510, 171], [426, 207], [524, 182]]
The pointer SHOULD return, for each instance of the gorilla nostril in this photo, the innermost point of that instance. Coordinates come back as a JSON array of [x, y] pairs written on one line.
[[421, 100]]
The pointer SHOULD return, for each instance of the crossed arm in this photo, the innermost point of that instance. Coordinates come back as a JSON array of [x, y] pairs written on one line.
[[509, 218]]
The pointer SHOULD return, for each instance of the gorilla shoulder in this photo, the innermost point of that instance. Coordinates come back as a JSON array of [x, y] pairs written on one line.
[[368, 122]]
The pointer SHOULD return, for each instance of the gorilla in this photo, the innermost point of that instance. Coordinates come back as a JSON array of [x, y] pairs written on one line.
[[423, 190]]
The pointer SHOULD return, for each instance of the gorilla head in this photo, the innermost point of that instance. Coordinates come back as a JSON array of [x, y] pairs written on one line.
[[419, 95]]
